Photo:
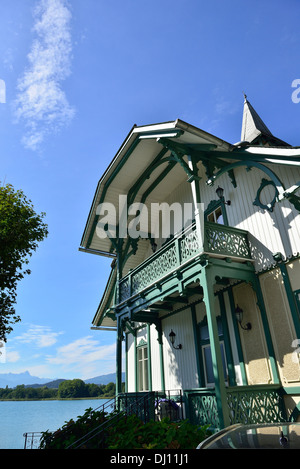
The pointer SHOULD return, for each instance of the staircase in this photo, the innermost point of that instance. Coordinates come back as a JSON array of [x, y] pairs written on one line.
[[144, 405]]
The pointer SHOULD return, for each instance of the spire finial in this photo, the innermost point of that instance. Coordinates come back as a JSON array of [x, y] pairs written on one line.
[[245, 96]]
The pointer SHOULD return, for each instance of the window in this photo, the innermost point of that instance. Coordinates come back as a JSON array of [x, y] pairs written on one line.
[[216, 212], [206, 353], [216, 216], [142, 358]]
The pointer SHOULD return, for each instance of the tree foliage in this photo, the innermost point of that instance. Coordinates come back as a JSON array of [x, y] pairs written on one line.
[[21, 229], [68, 389], [124, 432]]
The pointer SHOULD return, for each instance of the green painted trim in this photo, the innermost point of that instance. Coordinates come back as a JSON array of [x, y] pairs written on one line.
[[239, 154], [135, 364], [146, 174], [237, 338], [249, 164], [119, 357], [290, 390], [213, 205], [126, 362], [149, 358], [158, 326], [108, 182], [228, 351], [260, 303], [257, 201], [291, 296], [294, 417], [197, 346], [207, 281]]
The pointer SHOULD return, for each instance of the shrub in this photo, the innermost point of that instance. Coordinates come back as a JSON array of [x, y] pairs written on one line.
[[125, 432]]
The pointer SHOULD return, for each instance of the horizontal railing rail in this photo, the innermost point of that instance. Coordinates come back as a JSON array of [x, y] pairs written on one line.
[[33, 439], [146, 406], [219, 240], [247, 405]]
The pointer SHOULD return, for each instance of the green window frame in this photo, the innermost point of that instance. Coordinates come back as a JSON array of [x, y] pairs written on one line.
[[297, 296], [205, 348], [142, 366], [216, 212]]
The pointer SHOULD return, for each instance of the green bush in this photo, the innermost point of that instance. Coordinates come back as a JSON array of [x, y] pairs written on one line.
[[126, 432], [132, 433]]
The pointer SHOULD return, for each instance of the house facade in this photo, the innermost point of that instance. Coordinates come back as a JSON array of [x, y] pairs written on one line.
[[204, 289]]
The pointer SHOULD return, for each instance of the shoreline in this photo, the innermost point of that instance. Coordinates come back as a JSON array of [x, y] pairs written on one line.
[[60, 399]]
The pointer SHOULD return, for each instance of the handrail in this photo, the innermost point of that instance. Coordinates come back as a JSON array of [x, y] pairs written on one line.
[[219, 240], [33, 436], [145, 399]]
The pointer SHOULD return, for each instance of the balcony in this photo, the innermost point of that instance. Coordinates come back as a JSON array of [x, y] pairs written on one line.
[[219, 241]]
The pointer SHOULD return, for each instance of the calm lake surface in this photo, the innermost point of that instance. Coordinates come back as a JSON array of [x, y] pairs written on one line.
[[18, 417]]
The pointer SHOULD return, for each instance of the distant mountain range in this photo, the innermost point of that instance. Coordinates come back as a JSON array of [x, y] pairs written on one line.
[[14, 379]]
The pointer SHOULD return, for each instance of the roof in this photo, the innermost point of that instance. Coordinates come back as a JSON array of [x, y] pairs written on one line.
[[138, 154], [254, 130], [141, 170]]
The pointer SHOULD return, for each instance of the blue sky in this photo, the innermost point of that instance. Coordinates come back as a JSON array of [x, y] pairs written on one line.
[[77, 76]]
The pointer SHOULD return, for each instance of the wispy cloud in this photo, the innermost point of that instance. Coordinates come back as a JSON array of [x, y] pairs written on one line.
[[40, 336], [85, 356], [41, 103]]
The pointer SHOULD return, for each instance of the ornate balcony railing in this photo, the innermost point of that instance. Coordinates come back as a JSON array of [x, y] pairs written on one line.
[[219, 240], [247, 405]]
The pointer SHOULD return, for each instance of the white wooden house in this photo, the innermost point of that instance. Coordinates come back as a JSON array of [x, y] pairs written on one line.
[[226, 281]]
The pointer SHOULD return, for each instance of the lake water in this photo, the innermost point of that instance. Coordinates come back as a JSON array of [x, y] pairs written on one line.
[[19, 417]]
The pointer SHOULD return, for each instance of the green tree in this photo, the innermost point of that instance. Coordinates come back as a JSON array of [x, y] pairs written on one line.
[[93, 390], [21, 229], [71, 388]]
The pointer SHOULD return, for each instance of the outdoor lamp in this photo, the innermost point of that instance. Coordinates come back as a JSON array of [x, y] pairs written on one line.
[[153, 244], [239, 317], [220, 192], [154, 247], [172, 336]]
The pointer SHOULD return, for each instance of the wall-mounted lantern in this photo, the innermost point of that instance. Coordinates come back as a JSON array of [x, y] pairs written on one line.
[[220, 192], [239, 317], [172, 336]]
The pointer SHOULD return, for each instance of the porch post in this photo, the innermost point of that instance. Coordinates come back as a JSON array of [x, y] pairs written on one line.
[[260, 303], [207, 281], [119, 357], [193, 180]]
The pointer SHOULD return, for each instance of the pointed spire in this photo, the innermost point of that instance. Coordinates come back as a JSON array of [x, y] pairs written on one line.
[[254, 130], [252, 126]]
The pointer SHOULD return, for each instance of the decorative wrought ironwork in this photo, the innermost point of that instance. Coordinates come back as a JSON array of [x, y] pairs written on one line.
[[255, 406], [189, 244], [202, 408], [32, 440], [160, 265], [247, 405], [124, 288], [219, 239], [226, 241]]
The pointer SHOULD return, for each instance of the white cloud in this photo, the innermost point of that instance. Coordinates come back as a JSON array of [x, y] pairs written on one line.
[[41, 102], [41, 336], [85, 356], [12, 356]]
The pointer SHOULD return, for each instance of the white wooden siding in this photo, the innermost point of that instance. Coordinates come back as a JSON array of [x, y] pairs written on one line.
[[270, 232], [180, 365]]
